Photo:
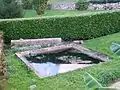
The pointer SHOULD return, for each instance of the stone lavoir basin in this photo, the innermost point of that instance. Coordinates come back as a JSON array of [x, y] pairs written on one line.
[[51, 61]]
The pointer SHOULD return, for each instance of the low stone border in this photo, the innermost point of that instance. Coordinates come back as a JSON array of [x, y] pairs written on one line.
[[107, 6], [115, 85], [64, 6], [42, 42], [56, 49], [91, 53]]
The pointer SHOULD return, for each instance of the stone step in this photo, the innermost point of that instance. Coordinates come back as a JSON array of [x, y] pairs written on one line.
[[42, 42], [91, 53]]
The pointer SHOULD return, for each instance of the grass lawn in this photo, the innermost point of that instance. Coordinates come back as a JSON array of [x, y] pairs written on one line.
[[32, 13], [66, 12], [20, 78]]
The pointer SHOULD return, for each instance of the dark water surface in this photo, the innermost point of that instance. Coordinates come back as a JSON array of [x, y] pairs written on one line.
[[61, 58], [49, 64]]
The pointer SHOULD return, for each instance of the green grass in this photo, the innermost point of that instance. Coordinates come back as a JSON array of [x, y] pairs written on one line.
[[20, 78], [32, 13], [65, 12], [102, 44], [71, 12]]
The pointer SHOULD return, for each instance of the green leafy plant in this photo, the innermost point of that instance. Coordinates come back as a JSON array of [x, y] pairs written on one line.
[[11, 9], [93, 84], [67, 27], [27, 4], [82, 4], [115, 48], [40, 6]]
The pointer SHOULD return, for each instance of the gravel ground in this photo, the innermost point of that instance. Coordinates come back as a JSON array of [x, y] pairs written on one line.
[[116, 85]]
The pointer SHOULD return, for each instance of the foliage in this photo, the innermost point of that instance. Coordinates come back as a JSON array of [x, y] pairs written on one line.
[[92, 84], [104, 1], [82, 4], [10, 9], [27, 4], [40, 6], [66, 27], [115, 48]]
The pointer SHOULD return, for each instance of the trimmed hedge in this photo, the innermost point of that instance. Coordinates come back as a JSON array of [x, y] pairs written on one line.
[[40, 6], [82, 4], [103, 1], [67, 27]]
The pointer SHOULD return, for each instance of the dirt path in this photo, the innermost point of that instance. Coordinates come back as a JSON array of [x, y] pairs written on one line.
[[116, 85]]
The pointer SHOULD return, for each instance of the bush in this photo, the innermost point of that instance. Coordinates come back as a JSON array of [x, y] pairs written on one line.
[[104, 1], [40, 6], [82, 5], [10, 9], [67, 27], [27, 4]]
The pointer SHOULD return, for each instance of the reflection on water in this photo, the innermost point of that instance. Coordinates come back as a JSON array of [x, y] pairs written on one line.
[[46, 69]]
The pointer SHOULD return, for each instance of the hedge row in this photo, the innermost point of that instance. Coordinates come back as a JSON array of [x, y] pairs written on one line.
[[104, 1], [67, 27]]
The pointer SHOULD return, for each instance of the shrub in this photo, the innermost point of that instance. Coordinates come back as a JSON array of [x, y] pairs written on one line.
[[104, 1], [10, 9], [27, 4], [82, 5], [40, 6], [67, 27]]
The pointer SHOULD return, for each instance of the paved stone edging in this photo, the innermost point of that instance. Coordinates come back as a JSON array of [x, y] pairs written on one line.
[[42, 42], [90, 53], [107, 6], [116, 85]]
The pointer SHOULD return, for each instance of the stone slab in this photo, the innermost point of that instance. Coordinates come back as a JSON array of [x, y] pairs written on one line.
[[55, 49], [116, 85], [47, 70], [42, 42], [91, 53]]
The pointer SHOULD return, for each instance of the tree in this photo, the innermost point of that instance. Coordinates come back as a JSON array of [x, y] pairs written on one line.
[[82, 4], [40, 6], [27, 4], [11, 9]]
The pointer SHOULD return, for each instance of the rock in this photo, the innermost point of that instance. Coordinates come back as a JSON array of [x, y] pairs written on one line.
[[67, 6], [78, 42], [80, 62], [116, 85], [107, 6], [32, 87], [42, 42]]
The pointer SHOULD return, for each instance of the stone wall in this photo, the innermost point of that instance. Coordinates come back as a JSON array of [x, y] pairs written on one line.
[[108, 6], [72, 6], [63, 6], [3, 74]]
